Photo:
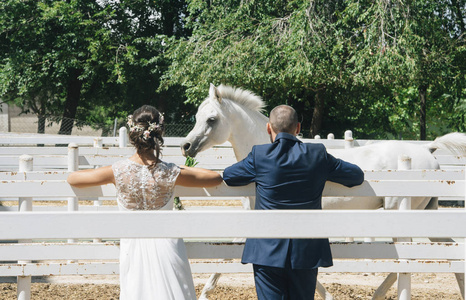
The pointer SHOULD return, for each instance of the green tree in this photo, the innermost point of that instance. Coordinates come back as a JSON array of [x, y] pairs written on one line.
[[350, 64], [285, 51], [87, 59], [409, 46], [43, 46]]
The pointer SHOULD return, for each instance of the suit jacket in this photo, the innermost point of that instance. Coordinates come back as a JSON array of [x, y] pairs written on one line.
[[290, 174]]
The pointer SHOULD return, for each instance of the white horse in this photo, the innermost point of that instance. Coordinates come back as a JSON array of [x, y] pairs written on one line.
[[235, 115]]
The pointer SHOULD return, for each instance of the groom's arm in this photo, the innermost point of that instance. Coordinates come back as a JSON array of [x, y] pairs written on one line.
[[241, 173], [344, 172]]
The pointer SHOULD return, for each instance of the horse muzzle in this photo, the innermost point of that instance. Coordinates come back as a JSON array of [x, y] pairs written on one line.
[[187, 149]]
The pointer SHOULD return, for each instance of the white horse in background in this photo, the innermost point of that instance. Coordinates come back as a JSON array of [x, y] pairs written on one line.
[[235, 115], [228, 114]]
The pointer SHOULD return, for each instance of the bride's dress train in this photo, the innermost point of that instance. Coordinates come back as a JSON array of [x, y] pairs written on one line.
[[151, 268]]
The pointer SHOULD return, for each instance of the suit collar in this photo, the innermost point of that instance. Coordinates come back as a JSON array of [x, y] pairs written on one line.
[[286, 136]]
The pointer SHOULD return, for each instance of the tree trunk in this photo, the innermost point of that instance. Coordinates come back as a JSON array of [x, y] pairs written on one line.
[[161, 101], [460, 20], [71, 103], [422, 110], [40, 124], [300, 106], [318, 114]]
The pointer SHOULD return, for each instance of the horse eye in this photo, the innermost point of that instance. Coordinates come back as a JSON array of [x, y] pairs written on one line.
[[211, 120]]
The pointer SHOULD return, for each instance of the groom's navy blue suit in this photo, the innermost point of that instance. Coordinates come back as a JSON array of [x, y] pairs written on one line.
[[289, 174]]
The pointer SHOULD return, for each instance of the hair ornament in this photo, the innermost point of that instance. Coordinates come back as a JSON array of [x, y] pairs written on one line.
[[146, 132]]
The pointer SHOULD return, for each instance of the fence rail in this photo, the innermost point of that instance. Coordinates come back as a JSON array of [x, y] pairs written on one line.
[[16, 139], [103, 151], [51, 228], [231, 224]]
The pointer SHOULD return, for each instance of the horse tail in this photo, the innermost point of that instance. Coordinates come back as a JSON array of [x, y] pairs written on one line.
[[454, 142]]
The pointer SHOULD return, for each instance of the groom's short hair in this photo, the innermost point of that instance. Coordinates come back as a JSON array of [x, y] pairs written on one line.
[[283, 118]]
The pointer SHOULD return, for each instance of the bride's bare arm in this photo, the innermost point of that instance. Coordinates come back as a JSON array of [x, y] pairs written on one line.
[[91, 177], [198, 177]]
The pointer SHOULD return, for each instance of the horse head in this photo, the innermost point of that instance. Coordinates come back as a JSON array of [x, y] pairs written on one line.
[[228, 114], [212, 125]]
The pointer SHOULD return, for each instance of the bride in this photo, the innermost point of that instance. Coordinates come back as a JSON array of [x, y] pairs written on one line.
[[149, 268]]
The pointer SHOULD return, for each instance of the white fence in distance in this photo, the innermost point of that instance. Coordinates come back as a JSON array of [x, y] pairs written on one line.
[[216, 158]]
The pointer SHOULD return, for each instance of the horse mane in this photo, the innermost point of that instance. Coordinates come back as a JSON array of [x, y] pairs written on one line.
[[454, 142], [243, 97]]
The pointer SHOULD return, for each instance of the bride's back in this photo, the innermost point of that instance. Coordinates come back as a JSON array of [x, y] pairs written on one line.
[[143, 187]]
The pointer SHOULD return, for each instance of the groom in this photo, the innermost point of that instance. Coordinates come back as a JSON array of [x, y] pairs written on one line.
[[288, 174]]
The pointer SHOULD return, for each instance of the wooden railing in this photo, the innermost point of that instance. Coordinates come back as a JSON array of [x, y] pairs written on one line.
[[42, 234], [81, 227]]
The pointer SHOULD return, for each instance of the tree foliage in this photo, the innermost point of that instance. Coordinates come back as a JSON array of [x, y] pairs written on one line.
[[384, 68], [94, 60], [342, 64]]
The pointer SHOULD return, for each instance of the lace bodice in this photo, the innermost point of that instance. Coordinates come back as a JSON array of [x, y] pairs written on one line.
[[141, 188]]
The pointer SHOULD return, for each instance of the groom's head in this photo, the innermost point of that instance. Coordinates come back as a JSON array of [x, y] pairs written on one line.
[[283, 118]]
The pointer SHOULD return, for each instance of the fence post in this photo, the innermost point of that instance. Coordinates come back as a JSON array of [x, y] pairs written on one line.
[[349, 142], [97, 202], [123, 140], [317, 137], [115, 126], [330, 136], [404, 279], [24, 204], [73, 165], [98, 142]]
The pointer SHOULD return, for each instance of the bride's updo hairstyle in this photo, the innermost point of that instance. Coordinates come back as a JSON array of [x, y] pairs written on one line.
[[146, 129]]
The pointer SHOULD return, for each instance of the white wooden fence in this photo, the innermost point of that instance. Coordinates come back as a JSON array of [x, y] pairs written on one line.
[[102, 151], [42, 235], [79, 257]]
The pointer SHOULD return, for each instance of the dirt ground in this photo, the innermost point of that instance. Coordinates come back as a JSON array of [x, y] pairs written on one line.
[[239, 286]]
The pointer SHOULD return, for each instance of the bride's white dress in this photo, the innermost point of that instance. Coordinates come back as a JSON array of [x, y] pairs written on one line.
[[151, 268]]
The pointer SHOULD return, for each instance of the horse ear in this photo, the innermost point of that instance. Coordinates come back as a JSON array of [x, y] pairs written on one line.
[[214, 93]]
